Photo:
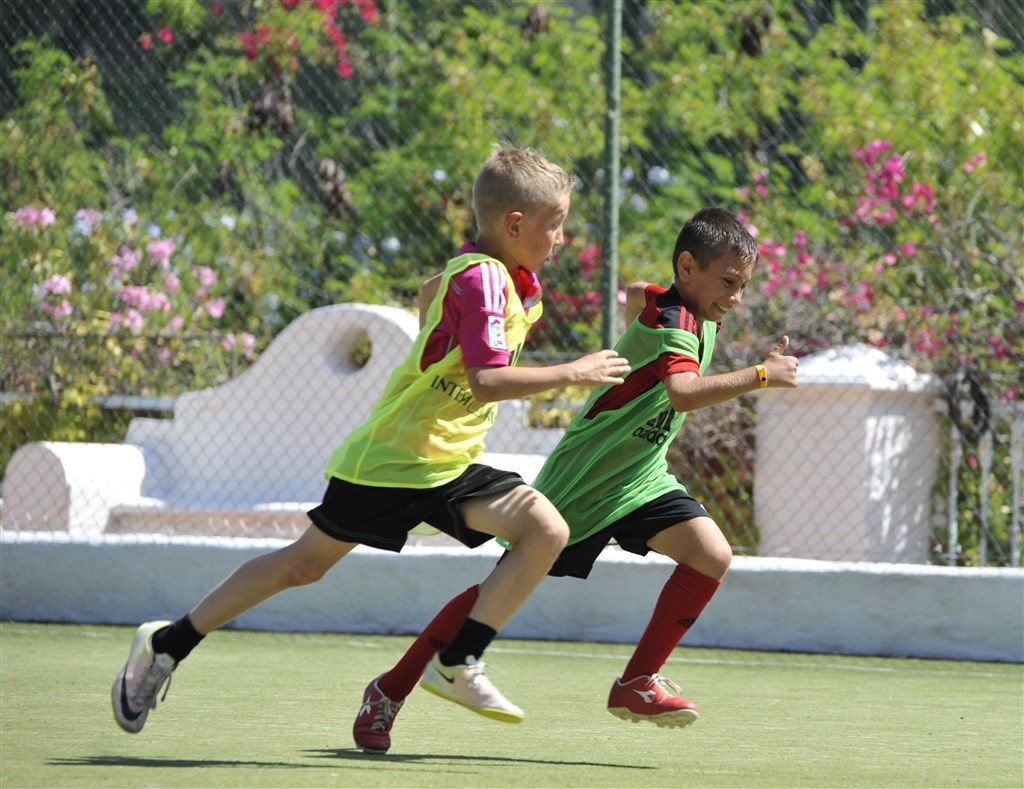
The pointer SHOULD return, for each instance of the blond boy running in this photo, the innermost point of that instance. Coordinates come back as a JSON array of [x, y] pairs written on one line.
[[415, 458]]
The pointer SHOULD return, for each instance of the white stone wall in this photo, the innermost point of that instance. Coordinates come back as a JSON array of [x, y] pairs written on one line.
[[765, 604]]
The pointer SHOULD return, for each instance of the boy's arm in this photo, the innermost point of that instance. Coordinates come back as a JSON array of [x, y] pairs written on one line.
[[491, 384], [689, 391], [636, 300], [428, 290]]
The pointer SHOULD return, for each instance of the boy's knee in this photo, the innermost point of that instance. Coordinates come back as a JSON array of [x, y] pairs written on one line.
[[717, 558], [556, 532], [304, 573], [723, 557], [548, 533]]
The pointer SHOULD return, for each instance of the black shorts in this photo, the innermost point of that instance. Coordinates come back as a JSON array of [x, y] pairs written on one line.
[[631, 532], [383, 517]]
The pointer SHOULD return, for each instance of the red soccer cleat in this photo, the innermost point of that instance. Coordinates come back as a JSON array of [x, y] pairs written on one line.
[[372, 729], [651, 698]]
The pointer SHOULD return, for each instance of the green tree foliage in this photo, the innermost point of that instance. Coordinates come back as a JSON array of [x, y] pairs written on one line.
[[181, 174]]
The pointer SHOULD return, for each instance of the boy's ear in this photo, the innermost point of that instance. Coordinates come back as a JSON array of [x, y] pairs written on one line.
[[513, 223], [686, 264]]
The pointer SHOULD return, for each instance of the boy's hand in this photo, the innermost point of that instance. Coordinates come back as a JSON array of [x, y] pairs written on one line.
[[598, 369], [781, 369]]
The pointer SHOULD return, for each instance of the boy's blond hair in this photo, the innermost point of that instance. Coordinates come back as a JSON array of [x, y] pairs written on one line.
[[516, 179]]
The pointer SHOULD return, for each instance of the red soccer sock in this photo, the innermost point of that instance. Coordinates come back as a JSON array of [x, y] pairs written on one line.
[[400, 681], [681, 601]]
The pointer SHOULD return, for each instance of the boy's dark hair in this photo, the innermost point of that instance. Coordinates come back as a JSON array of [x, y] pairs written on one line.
[[712, 233]]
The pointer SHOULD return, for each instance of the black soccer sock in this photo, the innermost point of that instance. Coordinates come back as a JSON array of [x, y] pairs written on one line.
[[177, 639], [471, 641]]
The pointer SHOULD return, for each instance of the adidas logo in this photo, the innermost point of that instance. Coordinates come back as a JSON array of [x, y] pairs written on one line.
[[656, 430]]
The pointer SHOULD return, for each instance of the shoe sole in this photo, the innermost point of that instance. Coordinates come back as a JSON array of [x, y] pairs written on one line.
[[117, 701], [502, 716], [669, 720], [117, 695]]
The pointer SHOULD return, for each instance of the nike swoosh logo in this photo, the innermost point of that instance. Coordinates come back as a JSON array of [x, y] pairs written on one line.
[[449, 680], [126, 711]]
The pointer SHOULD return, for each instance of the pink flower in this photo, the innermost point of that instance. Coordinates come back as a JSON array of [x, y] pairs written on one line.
[[908, 250], [893, 169], [975, 161], [176, 323], [160, 251], [88, 215], [999, 347], [26, 216], [134, 296], [248, 345], [146, 41], [924, 196], [133, 320], [869, 154], [58, 311], [1008, 396], [124, 262], [171, 283], [207, 276], [227, 342], [30, 216], [588, 259], [158, 301], [115, 319], [215, 307], [57, 284], [166, 35]]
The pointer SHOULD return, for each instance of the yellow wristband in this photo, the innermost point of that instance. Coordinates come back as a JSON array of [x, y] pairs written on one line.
[[762, 375]]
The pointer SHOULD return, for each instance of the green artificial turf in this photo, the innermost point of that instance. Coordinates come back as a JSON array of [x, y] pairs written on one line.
[[276, 709]]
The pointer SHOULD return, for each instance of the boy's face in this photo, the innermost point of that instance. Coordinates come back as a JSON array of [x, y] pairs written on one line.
[[535, 236], [711, 293]]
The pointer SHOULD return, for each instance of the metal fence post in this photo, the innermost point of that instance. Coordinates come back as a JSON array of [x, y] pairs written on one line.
[[610, 248]]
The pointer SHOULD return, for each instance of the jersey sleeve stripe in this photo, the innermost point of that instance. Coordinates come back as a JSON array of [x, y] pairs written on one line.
[[494, 287]]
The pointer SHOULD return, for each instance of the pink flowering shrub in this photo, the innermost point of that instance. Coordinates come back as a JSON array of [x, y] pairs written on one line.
[[141, 288], [889, 274]]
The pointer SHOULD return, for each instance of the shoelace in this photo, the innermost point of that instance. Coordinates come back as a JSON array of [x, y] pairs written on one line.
[[149, 686], [386, 712], [476, 674], [667, 685]]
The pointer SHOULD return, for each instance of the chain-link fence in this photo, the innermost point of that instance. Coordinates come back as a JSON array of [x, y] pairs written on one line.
[[183, 180]]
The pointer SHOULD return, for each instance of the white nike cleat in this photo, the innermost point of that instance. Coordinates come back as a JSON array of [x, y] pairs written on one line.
[[144, 673], [469, 686]]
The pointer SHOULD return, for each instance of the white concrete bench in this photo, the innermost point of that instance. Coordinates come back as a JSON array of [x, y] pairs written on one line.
[[244, 459]]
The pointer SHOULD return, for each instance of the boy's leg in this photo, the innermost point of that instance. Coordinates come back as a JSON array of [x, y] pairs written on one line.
[[159, 646], [303, 562], [538, 533], [703, 555], [525, 518]]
